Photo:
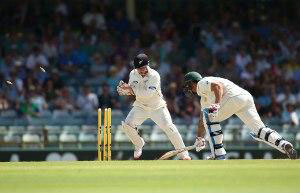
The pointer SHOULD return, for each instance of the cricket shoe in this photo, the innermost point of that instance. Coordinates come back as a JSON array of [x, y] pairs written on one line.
[[138, 150], [290, 151], [186, 157], [220, 157]]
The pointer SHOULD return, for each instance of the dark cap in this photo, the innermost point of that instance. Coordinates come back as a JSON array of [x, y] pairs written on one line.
[[192, 76], [140, 60]]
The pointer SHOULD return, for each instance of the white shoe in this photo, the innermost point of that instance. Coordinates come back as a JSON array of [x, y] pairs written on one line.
[[138, 151], [186, 157], [221, 157]]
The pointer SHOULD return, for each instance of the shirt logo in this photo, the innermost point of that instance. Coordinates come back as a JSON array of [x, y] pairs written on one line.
[[152, 87], [135, 82]]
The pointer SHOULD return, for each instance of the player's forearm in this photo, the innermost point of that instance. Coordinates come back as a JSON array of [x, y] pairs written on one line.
[[218, 90], [201, 128]]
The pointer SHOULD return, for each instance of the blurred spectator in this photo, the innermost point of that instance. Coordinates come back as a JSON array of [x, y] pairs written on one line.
[[87, 101], [94, 18], [38, 100], [248, 74], [120, 63], [64, 100], [106, 99], [113, 78], [26, 108], [261, 63], [98, 66], [50, 47], [62, 8], [286, 97], [50, 91], [4, 103], [242, 58], [68, 61], [119, 23], [36, 58], [56, 79], [259, 50], [172, 99], [290, 116]]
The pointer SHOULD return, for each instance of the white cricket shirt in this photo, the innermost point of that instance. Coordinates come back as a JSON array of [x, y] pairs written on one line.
[[147, 89], [208, 97]]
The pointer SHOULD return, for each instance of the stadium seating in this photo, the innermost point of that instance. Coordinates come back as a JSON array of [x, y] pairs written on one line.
[[69, 136], [191, 134], [228, 137], [33, 136], [145, 131], [64, 129], [158, 137], [245, 137], [53, 132], [87, 136], [298, 140], [120, 138], [13, 138], [3, 132]]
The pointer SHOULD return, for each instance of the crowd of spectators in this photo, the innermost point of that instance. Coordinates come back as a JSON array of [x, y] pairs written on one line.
[[86, 48]]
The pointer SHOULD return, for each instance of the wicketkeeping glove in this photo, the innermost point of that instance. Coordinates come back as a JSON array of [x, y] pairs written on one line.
[[119, 88], [200, 143], [122, 91]]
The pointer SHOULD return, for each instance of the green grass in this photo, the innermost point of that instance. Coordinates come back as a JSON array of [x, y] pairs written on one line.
[[231, 176]]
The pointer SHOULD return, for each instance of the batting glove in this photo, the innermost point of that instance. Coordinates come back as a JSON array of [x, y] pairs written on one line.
[[213, 110], [200, 143]]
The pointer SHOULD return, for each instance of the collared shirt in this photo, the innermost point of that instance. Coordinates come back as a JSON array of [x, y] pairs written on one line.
[[147, 89], [208, 96]]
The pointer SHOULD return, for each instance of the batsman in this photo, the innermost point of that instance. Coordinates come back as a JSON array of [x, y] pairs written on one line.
[[220, 99], [144, 84]]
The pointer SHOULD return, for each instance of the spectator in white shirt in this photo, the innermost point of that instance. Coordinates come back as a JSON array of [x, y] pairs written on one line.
[[94, 18], [242, 59], [87, 101], [36, 58]]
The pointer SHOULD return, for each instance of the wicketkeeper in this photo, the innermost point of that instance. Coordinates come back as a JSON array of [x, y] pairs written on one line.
[[144, 83]]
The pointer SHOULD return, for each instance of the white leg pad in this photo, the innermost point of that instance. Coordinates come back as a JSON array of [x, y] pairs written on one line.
[[271, 136], [213, 129]]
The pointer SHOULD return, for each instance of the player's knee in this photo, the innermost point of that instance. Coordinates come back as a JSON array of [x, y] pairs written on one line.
[[126, 126], [214, 126], [170, 128], [216, 138]]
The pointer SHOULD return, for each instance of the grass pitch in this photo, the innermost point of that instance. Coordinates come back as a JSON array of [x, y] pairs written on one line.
[[230, 176]]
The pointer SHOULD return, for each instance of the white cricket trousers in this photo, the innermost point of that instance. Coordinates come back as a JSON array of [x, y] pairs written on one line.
[[162, 118], [243, 106]]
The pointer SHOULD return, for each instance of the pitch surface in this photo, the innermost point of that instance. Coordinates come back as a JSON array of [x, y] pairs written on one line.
[[231, 176]]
